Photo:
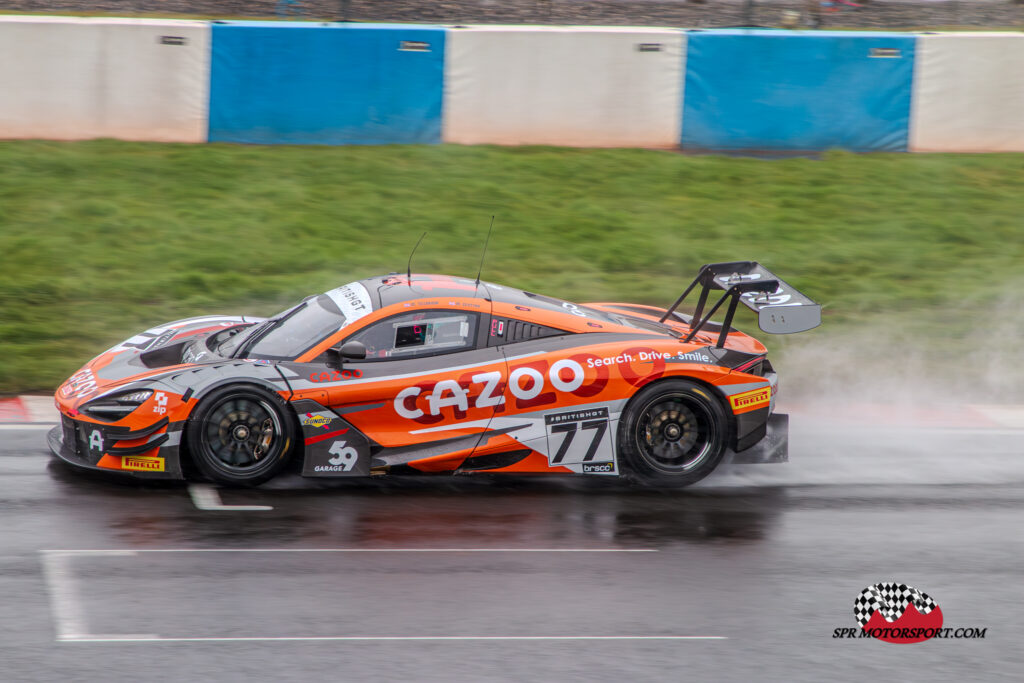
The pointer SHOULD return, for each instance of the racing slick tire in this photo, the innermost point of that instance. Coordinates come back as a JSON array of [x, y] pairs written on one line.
[[240, 435], [672, 433]]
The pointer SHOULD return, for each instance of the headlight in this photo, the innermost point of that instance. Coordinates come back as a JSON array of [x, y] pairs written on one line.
[[115, 407]]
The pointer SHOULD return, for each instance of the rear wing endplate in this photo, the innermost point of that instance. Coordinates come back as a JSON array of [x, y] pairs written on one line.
[[780, 308]]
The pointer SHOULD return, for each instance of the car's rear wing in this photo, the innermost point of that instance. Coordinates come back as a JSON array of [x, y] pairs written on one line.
[[780, 308]]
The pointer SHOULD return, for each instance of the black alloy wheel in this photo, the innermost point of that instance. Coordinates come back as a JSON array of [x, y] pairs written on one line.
[[672, 433], [240, 435]]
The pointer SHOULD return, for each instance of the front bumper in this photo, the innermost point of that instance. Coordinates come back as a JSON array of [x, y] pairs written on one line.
[[773, 447], [153, 455]]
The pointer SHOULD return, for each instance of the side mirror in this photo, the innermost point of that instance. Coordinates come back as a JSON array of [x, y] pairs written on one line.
[[353, 350]]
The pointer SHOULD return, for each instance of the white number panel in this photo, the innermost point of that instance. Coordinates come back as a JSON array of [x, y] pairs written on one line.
[[578, 437]]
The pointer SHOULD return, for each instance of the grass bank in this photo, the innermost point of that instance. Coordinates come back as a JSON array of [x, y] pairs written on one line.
[[101, 239]]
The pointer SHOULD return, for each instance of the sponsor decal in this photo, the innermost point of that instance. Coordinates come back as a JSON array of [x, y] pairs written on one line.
[[312, 420], [352, 300], [336, 453], [79, 385], [574, 309], [530, 385], [575, 416], [691, 357], [145, 339], [895, 612], [343, 460], [162, 339], [777, 298], [96, 441], [577, 437], [750, 400], [497, 327], [160, 403], [651, 357], [598, 468], [334, 375], [141, 463]]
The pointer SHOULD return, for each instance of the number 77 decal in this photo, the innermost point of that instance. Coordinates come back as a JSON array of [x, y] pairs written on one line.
[[562, 432]]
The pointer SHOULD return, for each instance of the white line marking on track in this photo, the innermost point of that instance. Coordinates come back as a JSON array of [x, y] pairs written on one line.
[[64, 603], [249, 639], [352, 550], [70, 620], [109, 638], [206, 497]]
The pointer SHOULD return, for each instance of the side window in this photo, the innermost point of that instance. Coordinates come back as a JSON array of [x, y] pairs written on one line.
[[418, 334], [510, 330]]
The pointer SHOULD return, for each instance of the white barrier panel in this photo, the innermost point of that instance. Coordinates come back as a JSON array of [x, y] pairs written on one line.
[[69, 78], [574, 86], [968, 93]]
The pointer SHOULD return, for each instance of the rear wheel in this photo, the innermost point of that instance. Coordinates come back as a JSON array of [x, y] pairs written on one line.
[[240, 435], [672, 433]]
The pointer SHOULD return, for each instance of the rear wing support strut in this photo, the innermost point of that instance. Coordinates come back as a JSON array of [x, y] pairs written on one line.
[[760, 290]]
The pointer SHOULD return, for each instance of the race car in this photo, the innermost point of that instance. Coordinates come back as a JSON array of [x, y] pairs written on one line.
[[432, 374]]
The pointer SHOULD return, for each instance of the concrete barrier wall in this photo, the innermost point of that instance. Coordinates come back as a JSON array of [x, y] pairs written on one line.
[[314, 83], [968, 93], [797, 90], [336, 84], [67, 78], [593, 87]]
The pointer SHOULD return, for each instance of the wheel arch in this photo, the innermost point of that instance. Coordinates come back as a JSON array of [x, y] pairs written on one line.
[[185, 455], [713, 390]]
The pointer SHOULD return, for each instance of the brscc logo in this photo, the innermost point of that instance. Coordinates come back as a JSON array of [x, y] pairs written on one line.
[[897, 613]]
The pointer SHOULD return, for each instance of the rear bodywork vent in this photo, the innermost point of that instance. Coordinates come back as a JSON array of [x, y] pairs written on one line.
[[509, 330]]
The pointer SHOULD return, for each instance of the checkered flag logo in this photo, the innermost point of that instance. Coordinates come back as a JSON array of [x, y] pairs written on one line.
[[892, 600]]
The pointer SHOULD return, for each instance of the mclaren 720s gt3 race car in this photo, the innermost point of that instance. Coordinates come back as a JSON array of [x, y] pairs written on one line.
[[417, 374]]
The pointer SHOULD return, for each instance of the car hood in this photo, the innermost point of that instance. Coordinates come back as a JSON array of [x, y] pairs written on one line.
[[143, 356]]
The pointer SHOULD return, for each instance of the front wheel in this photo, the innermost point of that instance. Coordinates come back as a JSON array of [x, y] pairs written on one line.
[[240, 435], [672, 433]]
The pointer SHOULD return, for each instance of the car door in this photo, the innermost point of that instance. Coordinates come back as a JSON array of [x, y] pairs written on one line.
[[425, 393]]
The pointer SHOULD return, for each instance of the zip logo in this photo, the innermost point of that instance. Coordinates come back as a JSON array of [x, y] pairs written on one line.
[[161, 403]]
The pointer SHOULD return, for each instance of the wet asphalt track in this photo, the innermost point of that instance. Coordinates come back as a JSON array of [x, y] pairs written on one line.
[[769, 558]]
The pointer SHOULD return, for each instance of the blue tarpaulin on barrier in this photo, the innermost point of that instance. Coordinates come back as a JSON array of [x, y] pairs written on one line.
[[307, 83], [794, 90]]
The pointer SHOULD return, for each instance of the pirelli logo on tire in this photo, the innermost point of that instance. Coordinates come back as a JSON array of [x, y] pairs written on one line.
[[750, 400]]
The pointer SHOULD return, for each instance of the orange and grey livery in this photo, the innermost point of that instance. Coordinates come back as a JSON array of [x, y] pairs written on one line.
[[417, 374]]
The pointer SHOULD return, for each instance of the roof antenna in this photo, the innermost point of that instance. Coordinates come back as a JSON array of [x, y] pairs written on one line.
[[408, 266], [486, 242]]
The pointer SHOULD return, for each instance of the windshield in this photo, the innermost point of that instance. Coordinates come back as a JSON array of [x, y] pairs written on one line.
[[298, 329]]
